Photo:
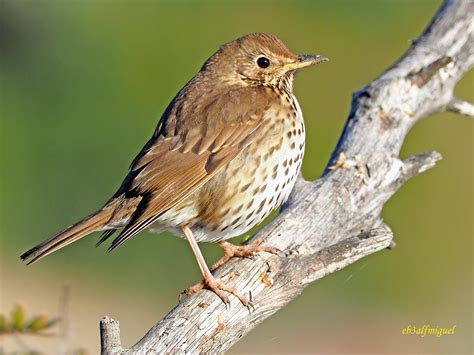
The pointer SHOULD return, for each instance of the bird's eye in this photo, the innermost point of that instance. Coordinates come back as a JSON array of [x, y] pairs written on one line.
[[263, 62]]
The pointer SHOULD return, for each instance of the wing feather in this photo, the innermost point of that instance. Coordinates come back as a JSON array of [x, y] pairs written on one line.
[[176, 164]]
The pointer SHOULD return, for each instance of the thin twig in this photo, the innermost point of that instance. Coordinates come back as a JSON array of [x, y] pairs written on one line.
[[461, 107]]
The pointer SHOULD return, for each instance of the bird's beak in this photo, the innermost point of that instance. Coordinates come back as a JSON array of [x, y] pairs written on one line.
[[305, 60]]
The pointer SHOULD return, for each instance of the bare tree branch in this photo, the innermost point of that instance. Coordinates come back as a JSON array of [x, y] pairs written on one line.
[[461, 107], [334, 221], [110, 336]]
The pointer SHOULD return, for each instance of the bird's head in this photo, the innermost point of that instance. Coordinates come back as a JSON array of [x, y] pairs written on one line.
[[258, 59]]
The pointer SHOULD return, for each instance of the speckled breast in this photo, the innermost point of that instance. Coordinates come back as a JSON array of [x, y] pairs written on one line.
[[257, 181]]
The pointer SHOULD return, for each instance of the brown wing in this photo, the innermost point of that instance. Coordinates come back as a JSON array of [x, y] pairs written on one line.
[[193, 141]]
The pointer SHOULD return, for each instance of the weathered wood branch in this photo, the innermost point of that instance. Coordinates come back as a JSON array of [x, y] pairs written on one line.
[[334, 221], [110, 336], [461, 107]]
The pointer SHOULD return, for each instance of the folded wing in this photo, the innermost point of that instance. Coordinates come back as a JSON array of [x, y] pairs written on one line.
[[192, 143]]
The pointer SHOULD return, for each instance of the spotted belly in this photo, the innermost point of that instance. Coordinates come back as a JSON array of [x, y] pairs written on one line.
[[253, 198], [248, 189]]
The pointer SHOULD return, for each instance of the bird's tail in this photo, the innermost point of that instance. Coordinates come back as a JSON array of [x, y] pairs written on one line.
[[96, 221]]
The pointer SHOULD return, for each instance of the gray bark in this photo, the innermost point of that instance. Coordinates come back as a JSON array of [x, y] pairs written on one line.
[[333, 221]]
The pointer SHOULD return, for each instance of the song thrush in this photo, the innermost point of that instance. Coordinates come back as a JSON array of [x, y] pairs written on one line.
[[225, 153]]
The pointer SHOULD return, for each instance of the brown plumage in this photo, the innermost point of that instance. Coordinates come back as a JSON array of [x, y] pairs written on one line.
[[225, 153]]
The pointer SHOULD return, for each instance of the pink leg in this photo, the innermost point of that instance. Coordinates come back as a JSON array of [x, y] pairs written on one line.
[[209, 281]]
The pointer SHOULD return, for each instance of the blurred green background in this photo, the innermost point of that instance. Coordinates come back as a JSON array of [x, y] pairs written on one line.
[[83, 84]]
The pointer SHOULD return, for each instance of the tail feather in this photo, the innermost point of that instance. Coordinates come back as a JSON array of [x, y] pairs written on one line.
[[78, 230], [104, 236]]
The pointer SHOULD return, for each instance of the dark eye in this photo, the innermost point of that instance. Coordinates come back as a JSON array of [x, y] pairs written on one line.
[[263, 62]]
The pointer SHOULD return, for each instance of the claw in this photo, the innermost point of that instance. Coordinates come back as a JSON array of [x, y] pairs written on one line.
[[250, 306], [242, 251], [218, 288]]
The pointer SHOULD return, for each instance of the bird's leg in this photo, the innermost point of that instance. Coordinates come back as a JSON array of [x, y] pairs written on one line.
[[231, 250], [209, 280]]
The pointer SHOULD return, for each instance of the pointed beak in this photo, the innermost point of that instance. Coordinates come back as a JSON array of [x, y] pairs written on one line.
[[305, 60]]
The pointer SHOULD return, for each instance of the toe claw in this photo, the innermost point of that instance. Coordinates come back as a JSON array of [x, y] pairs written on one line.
[[224, 298], [193, 289], [281, 254], [243, 251], [218, 288], [250, 306], [272, 250], [234, 292]]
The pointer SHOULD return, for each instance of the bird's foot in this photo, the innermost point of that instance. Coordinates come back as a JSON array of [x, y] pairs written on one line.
[[242, 251], [218, 287]]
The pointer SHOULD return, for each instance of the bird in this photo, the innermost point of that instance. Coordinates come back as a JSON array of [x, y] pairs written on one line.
[[226, 152]]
